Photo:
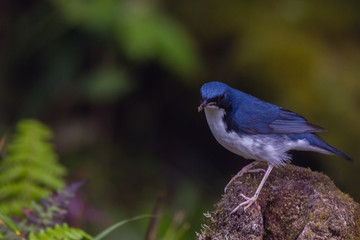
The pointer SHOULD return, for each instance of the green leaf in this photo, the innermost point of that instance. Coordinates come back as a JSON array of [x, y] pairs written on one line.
[[9, 222], [60, 232], [119, 224]]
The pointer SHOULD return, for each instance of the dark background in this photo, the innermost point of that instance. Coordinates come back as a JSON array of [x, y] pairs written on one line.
[[118, 82]]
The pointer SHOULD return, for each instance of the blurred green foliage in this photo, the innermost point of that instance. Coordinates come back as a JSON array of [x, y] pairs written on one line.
[[30, 169], [60, 232], [140, 28], [118, 82], [106, 84]]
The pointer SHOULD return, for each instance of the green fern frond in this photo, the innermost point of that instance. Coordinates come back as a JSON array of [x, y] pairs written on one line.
[[60, 232], [19, 189], [30, 170], [17, 172], [13, 206]]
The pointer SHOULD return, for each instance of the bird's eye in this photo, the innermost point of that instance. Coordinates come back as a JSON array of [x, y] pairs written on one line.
[[221, 97]]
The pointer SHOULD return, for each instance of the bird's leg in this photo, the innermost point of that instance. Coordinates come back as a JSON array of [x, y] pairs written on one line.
[[244, 170], [250, 201]]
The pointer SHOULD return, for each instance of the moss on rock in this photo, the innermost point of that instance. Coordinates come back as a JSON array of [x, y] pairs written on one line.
[[295, 203]]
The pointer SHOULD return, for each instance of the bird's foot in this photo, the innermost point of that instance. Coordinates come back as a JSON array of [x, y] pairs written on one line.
[[249, 201]]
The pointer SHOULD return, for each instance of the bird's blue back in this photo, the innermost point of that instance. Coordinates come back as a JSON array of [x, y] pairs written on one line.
[[249, 114]]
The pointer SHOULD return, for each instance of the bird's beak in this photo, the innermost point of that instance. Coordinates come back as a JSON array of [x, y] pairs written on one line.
[[201, 106]]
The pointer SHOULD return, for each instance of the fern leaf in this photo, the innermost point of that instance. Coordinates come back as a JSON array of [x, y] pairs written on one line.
[[30, 170], [60, 232]]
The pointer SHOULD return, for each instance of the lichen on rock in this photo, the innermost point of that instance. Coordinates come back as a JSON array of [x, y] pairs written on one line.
[[295, 203]]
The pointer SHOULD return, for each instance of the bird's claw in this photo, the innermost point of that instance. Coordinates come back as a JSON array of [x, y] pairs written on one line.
[[249, 201]]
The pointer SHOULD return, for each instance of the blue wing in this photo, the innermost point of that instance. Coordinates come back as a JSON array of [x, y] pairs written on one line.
[[254, 116], [290, 122]]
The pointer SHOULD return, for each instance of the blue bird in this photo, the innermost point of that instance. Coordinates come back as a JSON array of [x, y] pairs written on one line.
[[254, 129]]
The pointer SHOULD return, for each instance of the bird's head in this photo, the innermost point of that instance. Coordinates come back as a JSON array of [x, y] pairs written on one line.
[[215, 95]]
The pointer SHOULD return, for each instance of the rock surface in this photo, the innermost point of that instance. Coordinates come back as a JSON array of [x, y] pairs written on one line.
[[295, 203]]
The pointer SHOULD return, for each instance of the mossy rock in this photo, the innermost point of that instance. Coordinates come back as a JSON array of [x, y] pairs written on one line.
[[295, 203]]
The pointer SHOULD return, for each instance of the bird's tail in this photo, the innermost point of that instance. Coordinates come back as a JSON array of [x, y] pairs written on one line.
[[318, 142]]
